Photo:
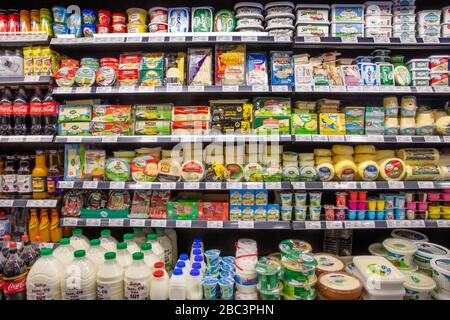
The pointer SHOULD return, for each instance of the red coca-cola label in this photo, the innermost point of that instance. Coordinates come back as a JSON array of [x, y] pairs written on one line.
[[49, 108], [35, 108], [15, 284], [6, 109], [21, 109]]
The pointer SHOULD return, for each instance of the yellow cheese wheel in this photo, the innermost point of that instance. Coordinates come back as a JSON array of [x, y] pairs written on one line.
[[325, 171], [361, 157], [340, 158], [365, 149], [392, 169], [342, 150], [322, 152], [443, 125], [419, 156], [320, 160], [368, 170], [383, 154], [423, 173], [345, 170]]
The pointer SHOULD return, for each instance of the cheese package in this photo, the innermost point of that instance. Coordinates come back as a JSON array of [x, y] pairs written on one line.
[[111, 113], [342, 150], [368, 170], [361, 157], [342, 158], [74, 162], [117, 170], [319, 160], [74, 129], [190, 127], [322, 152], [183, 113], [354, 120], [175, 68], [443, 125], [200, 66], [332, 123], [74, 113], [94, 164], [308, 173], [345, 170], [368, 148], [383, 154], [169, 170], [306, 156], [304, 123], [153, 111], [419, 156], [144, 169], [423, 173], [230, 64], [282, 69], [161, 127], [325, 171], [231, 110], [271, 106], [257, 68], [111, 128], [271, 125], [392, 169], [192, 171]]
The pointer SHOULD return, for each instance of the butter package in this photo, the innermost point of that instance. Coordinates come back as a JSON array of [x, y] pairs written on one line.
[[332, 123], [73, 162], [153, 111], [175, 68], [271, 125], [259, 213], [190, 127], [238, 127], [231, 110], [282, 69], [261, 197], [248, 197], [247, 213], [159, 127], [354, 120], [235, 212], [272, 107], [273, 212], [74, 113], [74, 129], [304, 123], [111, 113], [183, 113], [111, 128], [235, 197]]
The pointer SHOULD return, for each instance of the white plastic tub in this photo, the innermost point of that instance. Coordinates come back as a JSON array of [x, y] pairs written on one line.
[[418, 286], [403, 10], [378, 7], [312, 13], [427, 251], [312, 29], [369, 294], [379, 31], [404, 2], [418, 64], [400, 252], [407, 234], [347, 12], [407, 18], [441, 273], [445, 30], [378, 21], [401, 27], [429, 17], [347, 29], [429, 31], [446, 14]]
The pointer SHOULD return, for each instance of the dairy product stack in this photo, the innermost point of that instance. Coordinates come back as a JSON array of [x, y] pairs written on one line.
[[245, 263], [279, 18], [445, 28], [249, 16], [312, 20], [378, 19], [404, 17], [347, 20], [429, 24]]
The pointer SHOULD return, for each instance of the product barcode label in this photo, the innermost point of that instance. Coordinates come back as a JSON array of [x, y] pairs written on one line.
[[230, 88], [424, 89], [134, 39], [319, 138], [359, 224], [430, 40], [83, 90], [381, 39], [149, 139], [334, 224], [302, 88], [446, 139], [425, 184], [213, 185], [177, 39], [224, 38], [200, 39], [146, 89], [156, 39], [254, 185], [396, 185], [441, 89], [174, 89], [303, 137], [49, 203], [394, 223], [337, 89], [443, 223], [109, 139], [93, 222], [126, 89], [34, 203], [402, 89], [168, 185], [375, 138], [137, 222], [246, 224], [280, 88], [336, 138], [90, 184], [214, 224], [408, 40], [249, 38], [331, 185], [191, 186], [313, 225], [183, 223], [321, 88], [103, 89], [66, 184], [116, 222], [417, 223], [196, 88], [118, 185], [260, 88], [74, 139], [348, 185], [349, 40], [31, 79], [158, 223], [312, 39], [404, 139]]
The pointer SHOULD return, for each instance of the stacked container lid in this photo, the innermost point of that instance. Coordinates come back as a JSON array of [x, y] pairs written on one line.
[[404, 19], [312, 20], [378, 18], [347, 20], [249, 16], [279, 18]]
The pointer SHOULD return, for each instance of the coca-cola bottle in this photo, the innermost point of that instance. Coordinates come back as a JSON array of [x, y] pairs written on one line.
[[2, 264], [20, 112], [36, 127], [14, 275], [6, 112], [28, 254], [50, 112], [5, 249], [9, 181], [24, 178]]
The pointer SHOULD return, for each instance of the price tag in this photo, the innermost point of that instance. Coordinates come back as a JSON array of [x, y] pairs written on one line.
[[66, 184], [273, 185], [349, 40], [432, 139], [174, 88], [156, 39], [282, 39], [368, 185], [93, 222], [336, 138], [387, 89], [109, 139], [145, 185], [302, 88], [196, 88], [183, 223], [424, 89], [83, 90], [354, 89], [47, 245], [431, 40], [319, 138], [137, 222], [334, 224], [321, 88], [338, 89], [396, 185], [34, 203], [90, 184], [117, 39], [126, 89], [312, 39], [149, 139], [359, 224], [331, 185], [70, 222], [230, 88], [200, 39], [249, 38], [146, 89], [370, 89], [298, 185], [246, 224], [177, 39], [303, 137], [62, 90], [168, 185], [402, 89], [381, 39], [133, 39], [348, 185], [443, 223], [74, 139], [407, 40], [117, 185], [260, 88], [213, 185], [214, 224], [404, 139], [159, 223], [103, 89], [442, 89], [234, 185], [224, 38], [191, 186], [313, 225], [446, 139], [254, 185], [280, 88], [8, 203], [115, 222], [425, 184], [49, 203], [31, 79], [375, 138], [417, 223]]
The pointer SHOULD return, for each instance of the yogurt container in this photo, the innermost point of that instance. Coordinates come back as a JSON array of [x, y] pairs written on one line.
[[378, 7], [441, 273], [305, 291], [268, 271], [347, 12], [429, 31], [400, 252], [299, 271], [429, 17], [418, 286], [317, 13], [248, 8], [339, 286], [350, 29], [328, 263], [426, 251]]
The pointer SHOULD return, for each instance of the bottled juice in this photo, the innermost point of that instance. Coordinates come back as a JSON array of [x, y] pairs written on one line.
[[55, 229], [54, 174], [44, 226], [33, 225], [39, 175]]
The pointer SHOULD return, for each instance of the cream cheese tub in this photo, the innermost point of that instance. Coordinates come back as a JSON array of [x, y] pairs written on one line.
[[418, 286], [427, 251], [304, 291], [377, 249], [378, 7], [378, 273], [440, 295], [312, 29], [411, 235], [339, 286], [328, 263], [378, 21], [441, 273], [299, 270], [268, 272], [317, 13], [400, 252], [347, 12], [347, 29]]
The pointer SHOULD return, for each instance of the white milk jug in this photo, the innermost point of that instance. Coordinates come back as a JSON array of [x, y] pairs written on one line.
[[110, 279], [107, 241], [159, 289], [64, 252], [79, 282], [137, 279], [194, 286], [123, 256], [149, 257], [132, 246], [157, 249], [96, 253], [177, 285], [78, 241]]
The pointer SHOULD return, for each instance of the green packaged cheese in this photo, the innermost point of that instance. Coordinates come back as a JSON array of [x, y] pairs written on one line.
[[74, 113], [202, 19], [158, 127], [153, 111]]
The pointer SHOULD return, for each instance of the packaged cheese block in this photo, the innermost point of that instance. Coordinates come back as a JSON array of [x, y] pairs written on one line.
[[234, 172], [253, 172], [325, 171], [322, 152], [443, 125], [368, 170], [192, 171], [423, 173], [419, 156], [342, 158], [392, 169], [345, 170], [169, 170], [342, 150], [383, 154], [370, 149], [361, 157], [319, 160]]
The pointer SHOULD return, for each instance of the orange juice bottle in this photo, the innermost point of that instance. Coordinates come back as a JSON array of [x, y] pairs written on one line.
[[44, 226], [33, 225], [39, 175], [55, 229]]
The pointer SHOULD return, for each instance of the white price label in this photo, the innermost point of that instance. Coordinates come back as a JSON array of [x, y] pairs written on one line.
[[191, 186], [117, 39], [146, 89], [354, 89], [375, 138], [302, 88], [424, 89], [408, 40], [63, 90], [177, 39], [280, 88], [32, 139], [70, 222], [402, 89], [368, 185], [334, 224], [103, 89], [149, 139], [446, 139], [168, 185], [371, 89], [282, 39], [157, 223], [443, 223], [404, 139], [387, 89], [321, 88], [137, 222], [145, 185], [417, 223], [338, 89], [246, 224], [224, 38], [432, 139], [319, 138], [394, 223], [196, 88], [298, 185], [234, 185], [66, 184], [93, 222], [313, 225], [183, 223], [214, 224], [8, 203], [34, 203], [331, 185], [444, 89], [126, 89], [303, 137], [254, 185], [200, 39], [213, 185], [348, 185], [230, 88], [133, 39], [31, 79], [74, 139], [83, 90], [396, 185], [336, 138], [109, 139], [273, 185], [90, 184], [312, 39], [174, 88], [249, 38], [381, 39], [49, 203], [115, 222], [156, 39], [349, 40], [260, 88], [431, 40], [117, 185], [359, 224], [425, 184]]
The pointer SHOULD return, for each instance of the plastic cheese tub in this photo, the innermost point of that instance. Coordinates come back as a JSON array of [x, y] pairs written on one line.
[[441, 273], [328, 263], [418, 64], [407, 234], [404, 10], [347, 12], [378, 21], [347, 29], [406, 18], [446, 14], [378, 31], [445, 30], [312, 29], [378, 7], [339, 286], [427, 251], [312, 13], [429, 17], [400, 252], [418, 286]]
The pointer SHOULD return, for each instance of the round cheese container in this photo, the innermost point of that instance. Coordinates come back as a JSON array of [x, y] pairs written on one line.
[[279, 7], [157, 27], [65, 76], [441, 273], [291, 173], [426, 251], [144, 169], [339, 286], [418, 286], [377, 249], [293, 247], [304, 291], [233, 172], [253, 172], [192, 171], [268, 272], [117, 170], [105, 76], [158, 15], [407, 234], [169, 170], [85, 76], [400, 252], [328, 263], [440, 295]]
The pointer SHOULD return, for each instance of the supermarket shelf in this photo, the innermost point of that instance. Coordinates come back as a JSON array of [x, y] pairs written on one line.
[[13, 40], [371, 43], [367, 224], [371, 139], [22, 203], [50, 245], [443, 90], [195, 224], [24, 81], [334, 185], [26, 139]]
